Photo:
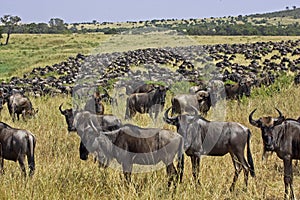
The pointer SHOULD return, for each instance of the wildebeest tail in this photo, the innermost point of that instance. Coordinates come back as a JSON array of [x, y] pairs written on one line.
[[180, 164], [30, 154], [249, 155]]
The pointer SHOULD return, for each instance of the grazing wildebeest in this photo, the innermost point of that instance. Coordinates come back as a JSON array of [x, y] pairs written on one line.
[[151, 102], [131, 144], [106, 122], [19, 104], [236, 91], [144, 88], [15, 144], [94, 104], [203, 137], [282, 136], [185, 103]]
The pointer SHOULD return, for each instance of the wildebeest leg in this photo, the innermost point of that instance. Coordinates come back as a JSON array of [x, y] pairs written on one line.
[[127, 168], [171, 172], [242, 160], [22, 165], [238, 169], [1, 161], [31, 163], [23, 115], [195, 168], [288, 177]]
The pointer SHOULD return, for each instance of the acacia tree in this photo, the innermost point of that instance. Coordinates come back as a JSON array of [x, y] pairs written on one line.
[[10, 22]]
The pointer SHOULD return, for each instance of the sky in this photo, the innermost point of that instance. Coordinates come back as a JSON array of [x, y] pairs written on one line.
[[72, 11]]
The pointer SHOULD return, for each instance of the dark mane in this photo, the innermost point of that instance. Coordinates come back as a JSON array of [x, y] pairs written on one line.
[[290, 119], [5, 125]]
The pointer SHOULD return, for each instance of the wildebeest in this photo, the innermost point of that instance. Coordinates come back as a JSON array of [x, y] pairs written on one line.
[[236, 91], [185, 103], [282, 136], [151, 102], [19, 104], [103, 122], [144, 88], [94, 104], [15, 144], [106, 122], [203, 137], [131, 144], [69, 117]]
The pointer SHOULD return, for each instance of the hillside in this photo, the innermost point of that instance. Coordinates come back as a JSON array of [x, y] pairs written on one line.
[[292, 13]]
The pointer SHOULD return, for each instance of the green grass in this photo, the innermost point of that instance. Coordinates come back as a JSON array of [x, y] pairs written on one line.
[[25, 51]]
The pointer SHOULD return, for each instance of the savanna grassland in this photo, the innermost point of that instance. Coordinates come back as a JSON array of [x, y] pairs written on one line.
[[60, 174]]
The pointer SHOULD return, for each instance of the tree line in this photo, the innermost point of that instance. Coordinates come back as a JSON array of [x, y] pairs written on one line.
[[11, 24]]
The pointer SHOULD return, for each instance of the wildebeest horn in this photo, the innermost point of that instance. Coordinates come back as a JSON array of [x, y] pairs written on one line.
[[280, 118], [60, 109], [167, 119], [279, 112], [252, 121]]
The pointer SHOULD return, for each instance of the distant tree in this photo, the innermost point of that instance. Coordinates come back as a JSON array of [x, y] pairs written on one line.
[[287, 8], [9, 22], [240, 17], [57, 25], [1, 31], [294, 7]]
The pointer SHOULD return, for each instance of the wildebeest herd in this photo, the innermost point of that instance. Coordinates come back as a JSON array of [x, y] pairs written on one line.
[[107, 138]]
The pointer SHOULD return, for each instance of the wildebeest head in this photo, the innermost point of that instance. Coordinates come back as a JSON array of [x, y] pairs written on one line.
[[160, 94], [69, 116], [245, 87], [94, 104], [182, 123], [31, 112], [266, 125]]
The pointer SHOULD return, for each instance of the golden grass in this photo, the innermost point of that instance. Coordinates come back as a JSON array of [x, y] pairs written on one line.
[[60, 174]]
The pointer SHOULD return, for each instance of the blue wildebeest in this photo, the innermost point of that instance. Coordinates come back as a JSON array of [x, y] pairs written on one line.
[[203, 137], [94, 104], [185, 103], [152, 102], [282, 136], [131, 144], [236, 91], [105, 122], [18, 104], [15, 144]]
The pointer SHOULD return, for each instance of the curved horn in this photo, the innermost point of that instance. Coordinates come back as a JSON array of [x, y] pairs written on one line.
[[60, 109], [279, 112], [280, 118], [252, 121], [169, 120]]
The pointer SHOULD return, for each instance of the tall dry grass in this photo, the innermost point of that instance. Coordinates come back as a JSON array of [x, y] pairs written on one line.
[[60, 174]]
